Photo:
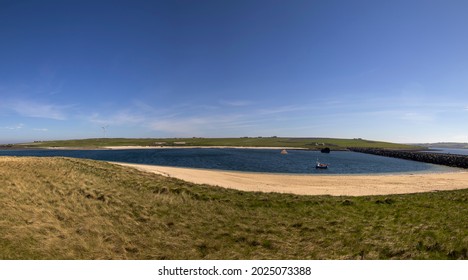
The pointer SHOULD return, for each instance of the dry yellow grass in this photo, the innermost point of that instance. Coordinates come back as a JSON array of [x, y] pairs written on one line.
[[65, 208]]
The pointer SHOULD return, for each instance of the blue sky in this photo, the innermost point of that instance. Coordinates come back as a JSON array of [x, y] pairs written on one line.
[[384, 70]]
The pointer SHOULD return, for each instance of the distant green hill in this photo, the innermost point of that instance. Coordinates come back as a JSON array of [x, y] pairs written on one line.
[[308, 143]]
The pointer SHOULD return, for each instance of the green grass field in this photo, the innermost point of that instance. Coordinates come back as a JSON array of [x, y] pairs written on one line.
[[62, 208], [308, 143]]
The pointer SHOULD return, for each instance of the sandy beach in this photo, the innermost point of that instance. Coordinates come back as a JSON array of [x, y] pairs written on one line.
[[336, 185]]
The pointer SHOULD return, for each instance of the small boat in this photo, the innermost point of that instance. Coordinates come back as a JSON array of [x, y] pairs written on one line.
[[284, 152], [321, 165]]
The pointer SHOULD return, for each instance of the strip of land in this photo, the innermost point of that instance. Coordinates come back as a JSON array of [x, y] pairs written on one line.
[[336, 185], [311, 143], [170, 147], [199, 147]]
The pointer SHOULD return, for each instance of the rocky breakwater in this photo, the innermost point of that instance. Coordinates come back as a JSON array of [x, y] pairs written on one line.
[[460, 161]]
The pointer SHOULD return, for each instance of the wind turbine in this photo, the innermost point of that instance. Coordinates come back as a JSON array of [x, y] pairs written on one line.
[[104, 130]]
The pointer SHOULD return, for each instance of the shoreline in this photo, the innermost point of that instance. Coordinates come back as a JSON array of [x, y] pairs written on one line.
[[336, 185], [170, 147], [199, 147]]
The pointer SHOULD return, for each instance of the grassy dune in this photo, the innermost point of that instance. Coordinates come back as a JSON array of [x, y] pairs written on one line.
[[61, 208], [308, 143]]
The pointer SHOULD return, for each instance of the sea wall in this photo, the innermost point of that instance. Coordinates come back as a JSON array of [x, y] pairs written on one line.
[[460, 161]]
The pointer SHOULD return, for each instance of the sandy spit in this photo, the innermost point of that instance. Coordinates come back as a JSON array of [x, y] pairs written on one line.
[[336, 185]]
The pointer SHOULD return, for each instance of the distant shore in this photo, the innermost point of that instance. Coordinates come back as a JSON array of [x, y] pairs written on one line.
[[313, 143], [172, 147], [336, 185]]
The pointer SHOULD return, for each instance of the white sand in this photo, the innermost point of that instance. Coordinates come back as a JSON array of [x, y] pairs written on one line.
[[350, 185]]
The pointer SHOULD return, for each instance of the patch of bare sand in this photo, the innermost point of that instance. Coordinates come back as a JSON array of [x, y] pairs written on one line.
[[349, 185]]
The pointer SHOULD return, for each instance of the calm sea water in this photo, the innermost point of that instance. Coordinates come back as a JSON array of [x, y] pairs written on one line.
[[450, 151], [296, 161]]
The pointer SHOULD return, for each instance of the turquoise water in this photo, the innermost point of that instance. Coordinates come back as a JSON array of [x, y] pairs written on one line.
[[252, 160]]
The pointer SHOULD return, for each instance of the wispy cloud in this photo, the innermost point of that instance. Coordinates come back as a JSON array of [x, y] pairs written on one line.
[[224, 121], [13, 127], [236, 103], [417, 117], [179, 127], [281, 109], [198, 125], [39, 110], [124, 117]]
